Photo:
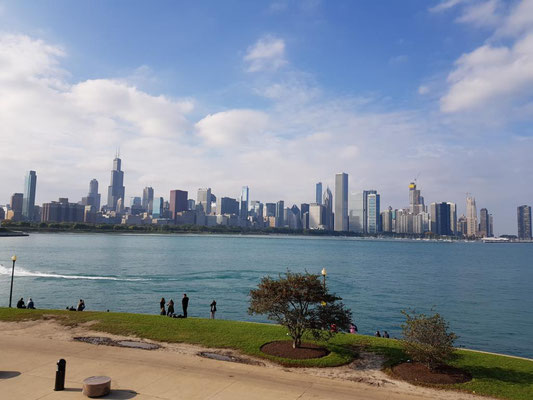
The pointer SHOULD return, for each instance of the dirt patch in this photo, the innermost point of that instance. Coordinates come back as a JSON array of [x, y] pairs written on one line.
[[102, 340], [419, 373], [283, 348], [229, 357]]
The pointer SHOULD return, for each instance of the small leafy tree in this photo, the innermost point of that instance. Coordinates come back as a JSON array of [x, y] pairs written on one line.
[[301, 303], [426, 338]]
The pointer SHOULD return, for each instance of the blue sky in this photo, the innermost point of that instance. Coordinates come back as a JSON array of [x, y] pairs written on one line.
[[275, 95]]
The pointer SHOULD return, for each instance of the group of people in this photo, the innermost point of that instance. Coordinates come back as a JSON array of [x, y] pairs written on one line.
[[80, 307], [20, 304], [169, 311], [385, 334]]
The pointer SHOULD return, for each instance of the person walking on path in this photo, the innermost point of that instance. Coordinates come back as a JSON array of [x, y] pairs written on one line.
[[20, 303], [185, 304], [81, 305], [213, 309], [162, 306], [170, 309], [31, 306]]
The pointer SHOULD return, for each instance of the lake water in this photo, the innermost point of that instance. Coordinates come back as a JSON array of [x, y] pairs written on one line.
[[484, 290]]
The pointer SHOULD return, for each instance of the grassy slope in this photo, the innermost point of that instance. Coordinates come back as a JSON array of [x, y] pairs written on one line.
[[494, 375]]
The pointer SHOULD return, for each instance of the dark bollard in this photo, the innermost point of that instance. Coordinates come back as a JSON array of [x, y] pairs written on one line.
[[60, 375]]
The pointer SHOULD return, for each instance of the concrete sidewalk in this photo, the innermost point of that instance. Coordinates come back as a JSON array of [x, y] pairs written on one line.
[[159, 374]]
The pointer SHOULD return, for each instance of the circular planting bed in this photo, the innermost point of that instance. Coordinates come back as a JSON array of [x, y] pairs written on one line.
[[283, 348], [419, 373]]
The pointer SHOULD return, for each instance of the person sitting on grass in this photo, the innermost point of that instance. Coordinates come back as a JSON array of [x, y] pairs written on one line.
[[386, 334], [81, 305], [20, 303], [162, 306], [353, 329], [31, 306], [170, 311], [377, 334]]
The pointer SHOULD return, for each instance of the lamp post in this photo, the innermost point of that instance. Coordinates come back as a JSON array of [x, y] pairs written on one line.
[[14, 259], [324, 273]]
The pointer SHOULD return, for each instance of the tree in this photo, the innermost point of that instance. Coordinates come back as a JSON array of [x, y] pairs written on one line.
[[301, 303], [427, 339]]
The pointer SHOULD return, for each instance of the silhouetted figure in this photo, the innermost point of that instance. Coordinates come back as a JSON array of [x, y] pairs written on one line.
[[71, 308], [213, 309], [185, 304], [20, 303], [386, 334], [81, 305], [377, 334], [162, 306], [31, 306], [170, 309], [353, 328]]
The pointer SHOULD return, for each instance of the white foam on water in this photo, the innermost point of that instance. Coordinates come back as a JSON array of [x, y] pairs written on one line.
[[36, 274]]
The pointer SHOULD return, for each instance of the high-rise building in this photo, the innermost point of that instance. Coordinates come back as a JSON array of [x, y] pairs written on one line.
[[386, 220], [318, 191], [158, 207], [471, 217], [461, 226], [316, 216], [178, 202], [203, 200], [441, 219], [62, 211], [355, 212], [15, 212], [524, 222], [373, 212], [328, 209], [116, 189], [148, 199], [280, 212], [191, 204], [484, 223], [227, 205], [270, 209], [491, 226], [341, 202], [245, 202], [93, 197], [28, 202], [416, 201], [453, 218], [366, 193]]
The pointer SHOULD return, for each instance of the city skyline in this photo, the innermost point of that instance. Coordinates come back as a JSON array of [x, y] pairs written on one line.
[[277, 107]]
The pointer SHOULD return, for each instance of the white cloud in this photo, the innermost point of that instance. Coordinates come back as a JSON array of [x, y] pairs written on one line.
[[232, 128], [423, 89], [483, 14], [446, 5], [267, 54]]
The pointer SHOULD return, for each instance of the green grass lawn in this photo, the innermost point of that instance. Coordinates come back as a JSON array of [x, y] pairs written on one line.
[[494, 375]]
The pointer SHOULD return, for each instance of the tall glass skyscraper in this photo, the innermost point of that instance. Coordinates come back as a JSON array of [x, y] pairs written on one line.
[[116, 188], [524, 222], [318, 190], [28, 201], [371, 200], [245, 202], [148, 199], [341, 202]]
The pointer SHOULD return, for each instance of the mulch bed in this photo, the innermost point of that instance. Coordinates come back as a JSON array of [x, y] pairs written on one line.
[[419, 373], [283, 348]]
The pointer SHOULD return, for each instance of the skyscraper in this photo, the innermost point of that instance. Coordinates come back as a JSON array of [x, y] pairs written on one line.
[[280, 210], [416, 201], [158, 207], [178, 202], [341, 202], [116, 188], [471, 217], [366, 194], [386, 220], [316, 216], [441, 218], [227, 205], [148, 199], [373, 212], [318, 190], [28, 201], [328, 212], [245, 202], [355, 212], [15, 213], [203, 200], [93, 197], [484, 223], [453, 218], [524, 222], [270, 209]]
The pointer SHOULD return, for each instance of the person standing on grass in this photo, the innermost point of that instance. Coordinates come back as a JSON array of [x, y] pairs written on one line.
[[213, 309], [170, 310], [185, 304], [162, 306]]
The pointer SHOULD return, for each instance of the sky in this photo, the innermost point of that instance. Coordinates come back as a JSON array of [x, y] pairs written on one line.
[[275, 95]]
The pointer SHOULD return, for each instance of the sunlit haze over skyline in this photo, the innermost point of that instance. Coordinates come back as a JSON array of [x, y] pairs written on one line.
[[272, 95]]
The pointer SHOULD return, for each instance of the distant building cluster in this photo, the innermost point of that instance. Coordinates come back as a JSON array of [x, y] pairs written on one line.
[[343, 211]]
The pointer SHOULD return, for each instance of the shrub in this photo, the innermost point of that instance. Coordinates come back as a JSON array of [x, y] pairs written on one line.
[[427, 340]]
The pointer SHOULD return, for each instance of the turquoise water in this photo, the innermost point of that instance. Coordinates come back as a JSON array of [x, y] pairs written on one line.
[[484, 290]]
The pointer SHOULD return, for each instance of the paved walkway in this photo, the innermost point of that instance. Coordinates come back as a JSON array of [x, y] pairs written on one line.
[[144, 375]]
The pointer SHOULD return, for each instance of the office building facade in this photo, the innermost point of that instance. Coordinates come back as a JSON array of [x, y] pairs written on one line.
[[524, 222], [28, 202], [341, 202], [116, 189]]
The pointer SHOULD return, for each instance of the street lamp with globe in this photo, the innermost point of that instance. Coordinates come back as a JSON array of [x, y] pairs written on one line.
[[324, 273]]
